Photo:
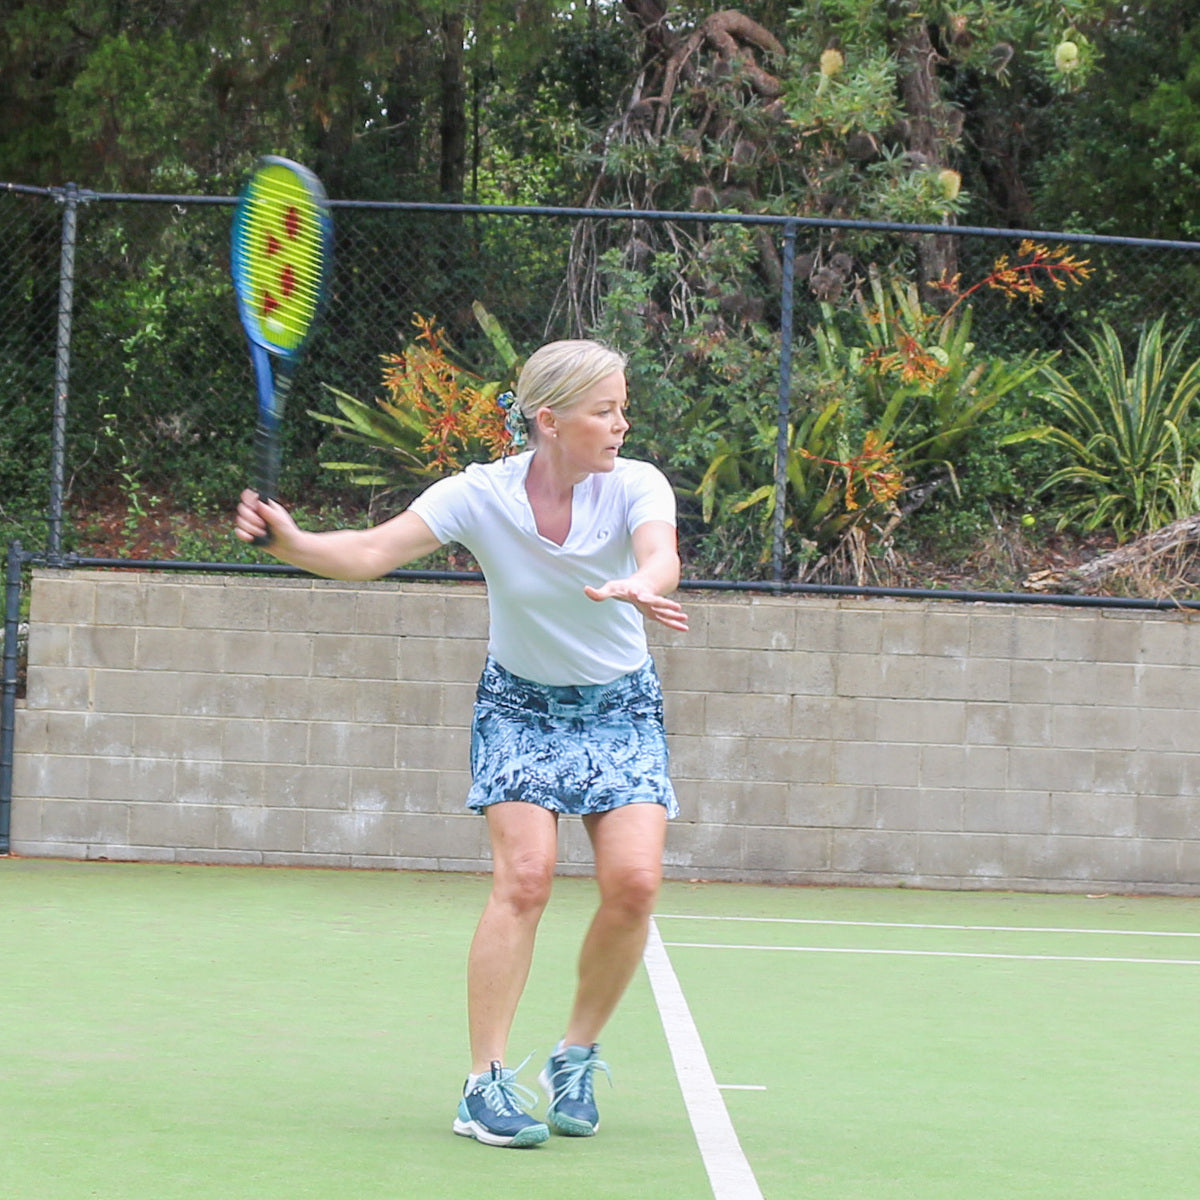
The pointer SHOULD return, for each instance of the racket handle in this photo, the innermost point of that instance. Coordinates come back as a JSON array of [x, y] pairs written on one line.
[[267, 456]]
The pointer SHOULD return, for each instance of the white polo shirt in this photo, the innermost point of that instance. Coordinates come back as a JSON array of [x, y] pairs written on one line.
[[542, 625]]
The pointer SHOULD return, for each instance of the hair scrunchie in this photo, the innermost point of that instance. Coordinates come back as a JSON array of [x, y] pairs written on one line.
[[515, 424]]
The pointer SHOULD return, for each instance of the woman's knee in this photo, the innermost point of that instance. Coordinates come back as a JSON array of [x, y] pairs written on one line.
[[633, 889], [524, 883]]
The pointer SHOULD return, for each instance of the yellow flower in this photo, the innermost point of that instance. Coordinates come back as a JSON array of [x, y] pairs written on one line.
[[1066, 56], [832, 62], [951, 181]]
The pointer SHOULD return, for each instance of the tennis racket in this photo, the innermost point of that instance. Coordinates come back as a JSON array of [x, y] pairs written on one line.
[[282, 252]]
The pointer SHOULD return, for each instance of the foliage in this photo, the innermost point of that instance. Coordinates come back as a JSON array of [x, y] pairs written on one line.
[[832, 108], [890, 397], [24, 453], [142, 330], [129, 94], [709, 415], [836, 508], [899, 394], [697, 350], [916, 377], [916, 381], [1131, 131], [1127, 431], [1173, 105], [703, 383], [740, 476], [841, 109], [135, 96], [435, 417]]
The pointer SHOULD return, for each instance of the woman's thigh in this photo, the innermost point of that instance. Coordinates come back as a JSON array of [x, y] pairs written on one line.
[[628, 844], [524, 841]]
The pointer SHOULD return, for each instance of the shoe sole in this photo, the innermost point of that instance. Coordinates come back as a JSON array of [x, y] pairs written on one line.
[[571, 1127], [531, 1135], [568, 1126]]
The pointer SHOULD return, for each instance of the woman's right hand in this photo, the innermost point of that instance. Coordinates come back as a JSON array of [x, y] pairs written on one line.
[[256, 518]]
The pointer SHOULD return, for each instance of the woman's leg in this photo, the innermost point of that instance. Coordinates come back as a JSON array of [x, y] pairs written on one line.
[[628, 845], [524, 851]]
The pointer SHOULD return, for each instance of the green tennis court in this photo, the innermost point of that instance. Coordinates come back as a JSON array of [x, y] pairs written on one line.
[[208, 1032]]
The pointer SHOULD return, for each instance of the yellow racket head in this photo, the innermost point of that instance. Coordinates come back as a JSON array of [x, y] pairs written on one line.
[[282, 237]]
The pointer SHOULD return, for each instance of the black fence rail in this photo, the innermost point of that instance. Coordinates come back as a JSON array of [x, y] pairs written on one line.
[[122, 363]]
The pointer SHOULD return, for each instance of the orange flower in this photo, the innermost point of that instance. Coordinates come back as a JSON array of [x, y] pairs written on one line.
[[873, 470], [1021, 278], [459, 417], [907, 357]]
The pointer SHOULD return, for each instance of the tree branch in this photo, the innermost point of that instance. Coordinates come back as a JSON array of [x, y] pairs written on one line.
[[1139, 555]]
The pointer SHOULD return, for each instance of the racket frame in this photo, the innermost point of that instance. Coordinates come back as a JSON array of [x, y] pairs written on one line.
[[272, 385]]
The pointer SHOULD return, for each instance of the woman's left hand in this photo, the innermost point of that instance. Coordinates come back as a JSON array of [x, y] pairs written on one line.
[[658, 608]]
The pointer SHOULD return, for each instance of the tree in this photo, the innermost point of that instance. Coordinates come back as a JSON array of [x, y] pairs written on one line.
[[138, 95], [847, 108], [1128, 135]]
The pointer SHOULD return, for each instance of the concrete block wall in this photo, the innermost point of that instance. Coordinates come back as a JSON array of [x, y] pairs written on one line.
[[814, 740]]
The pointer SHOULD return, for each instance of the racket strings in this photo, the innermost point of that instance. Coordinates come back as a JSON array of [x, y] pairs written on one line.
[[280, 254]]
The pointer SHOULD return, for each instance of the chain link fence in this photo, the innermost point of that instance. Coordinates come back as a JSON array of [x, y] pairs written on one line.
[[123, 366], [30, 247]]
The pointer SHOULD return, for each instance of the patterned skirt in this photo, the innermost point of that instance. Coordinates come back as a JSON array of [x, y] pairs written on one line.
[[582, 749]]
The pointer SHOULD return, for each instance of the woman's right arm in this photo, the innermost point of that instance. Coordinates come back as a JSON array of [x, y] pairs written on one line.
[[350, 554]]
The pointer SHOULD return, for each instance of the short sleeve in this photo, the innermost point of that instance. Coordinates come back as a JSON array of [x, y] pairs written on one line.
[[443, 506], [650, 497]]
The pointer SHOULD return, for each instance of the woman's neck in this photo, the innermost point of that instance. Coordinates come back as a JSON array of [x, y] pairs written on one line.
[[551, 495], [549, 479]]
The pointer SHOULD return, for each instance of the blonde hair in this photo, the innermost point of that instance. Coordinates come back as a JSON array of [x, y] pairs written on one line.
[[558, 373]]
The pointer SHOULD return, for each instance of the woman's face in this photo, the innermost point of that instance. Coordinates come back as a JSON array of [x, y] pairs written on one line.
[[588, 434]]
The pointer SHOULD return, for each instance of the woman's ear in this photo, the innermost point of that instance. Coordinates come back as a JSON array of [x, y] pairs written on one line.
[[546, 422]]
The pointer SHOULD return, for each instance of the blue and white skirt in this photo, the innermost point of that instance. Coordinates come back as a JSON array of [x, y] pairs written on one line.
[[581, 749]]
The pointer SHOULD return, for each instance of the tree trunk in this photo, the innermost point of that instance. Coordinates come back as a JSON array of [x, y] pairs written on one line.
[[928, 121], [452, 174], [407, 102], [651, 16]]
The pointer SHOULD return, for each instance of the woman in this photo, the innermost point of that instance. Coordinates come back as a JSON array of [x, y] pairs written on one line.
[[577, 546]]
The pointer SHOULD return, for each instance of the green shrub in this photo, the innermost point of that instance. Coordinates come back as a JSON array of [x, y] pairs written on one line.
[[1128, 432]]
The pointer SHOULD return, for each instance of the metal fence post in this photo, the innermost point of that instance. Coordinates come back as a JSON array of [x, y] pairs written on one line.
[[62, 373], [786, 321], [8, 698]]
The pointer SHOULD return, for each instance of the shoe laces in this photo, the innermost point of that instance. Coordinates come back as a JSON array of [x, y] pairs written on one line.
[[504, 1095], [575, 1078]]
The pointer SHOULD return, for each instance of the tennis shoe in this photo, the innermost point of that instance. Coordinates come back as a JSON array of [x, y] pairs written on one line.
[[493, 1111], [567, 1081]]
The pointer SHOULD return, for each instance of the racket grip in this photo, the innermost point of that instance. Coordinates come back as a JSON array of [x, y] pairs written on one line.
[[267, 456]]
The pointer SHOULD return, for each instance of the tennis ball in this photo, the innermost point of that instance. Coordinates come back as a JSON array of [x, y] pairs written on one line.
[[1066, 56], [832, 62], [1029, 520]]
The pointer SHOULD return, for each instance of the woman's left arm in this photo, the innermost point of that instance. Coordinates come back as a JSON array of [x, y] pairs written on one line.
[[656, 552]]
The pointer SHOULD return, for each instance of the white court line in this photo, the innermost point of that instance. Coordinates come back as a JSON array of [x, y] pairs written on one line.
[[916, 925], [728, 1170], [1172, 962]]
